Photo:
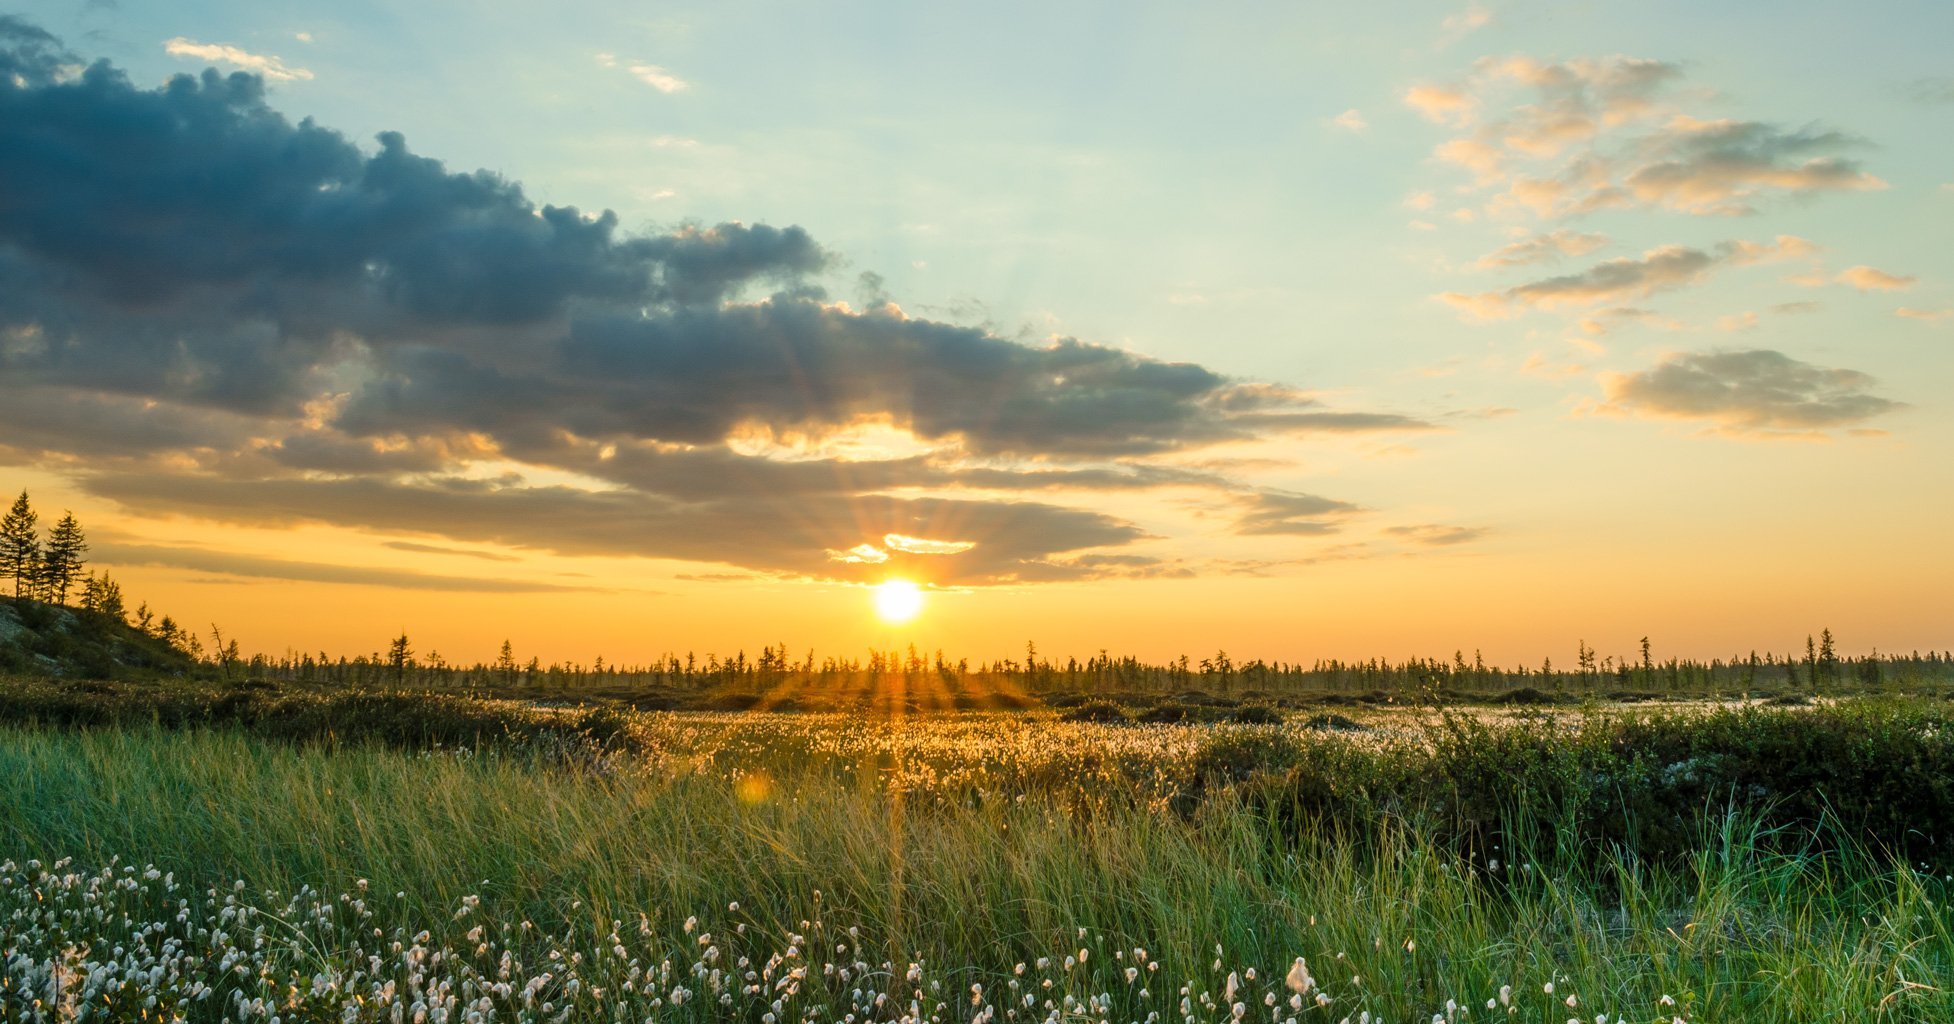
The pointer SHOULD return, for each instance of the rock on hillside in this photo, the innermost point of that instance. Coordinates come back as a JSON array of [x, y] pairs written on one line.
[[48, 640]]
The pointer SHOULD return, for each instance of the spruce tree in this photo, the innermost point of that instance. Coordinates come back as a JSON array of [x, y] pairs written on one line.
[[61, 560], [20, 546]]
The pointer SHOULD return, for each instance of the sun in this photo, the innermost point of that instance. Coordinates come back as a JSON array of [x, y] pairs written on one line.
[[898, 601]]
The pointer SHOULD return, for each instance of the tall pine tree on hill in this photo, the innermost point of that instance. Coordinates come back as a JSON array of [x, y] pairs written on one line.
[[20, 546], [61, 560]]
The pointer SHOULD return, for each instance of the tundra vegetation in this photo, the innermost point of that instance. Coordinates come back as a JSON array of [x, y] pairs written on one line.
[[187, 833]]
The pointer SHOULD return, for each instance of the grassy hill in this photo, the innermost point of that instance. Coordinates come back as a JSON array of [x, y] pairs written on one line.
[[49, 640]]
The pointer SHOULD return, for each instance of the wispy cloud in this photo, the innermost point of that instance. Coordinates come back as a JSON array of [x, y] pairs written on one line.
[[224, 563], [1566, 138], [1436, 535], [1457, 26], [1542, 248], [650, 74], [269, 66], [1625, 278], [1872, 279], [1351, 121]]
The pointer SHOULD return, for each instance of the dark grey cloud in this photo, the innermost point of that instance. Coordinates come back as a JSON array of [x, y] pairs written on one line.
[[29, 53], [224, 563], [1756, 391], [221, 312]]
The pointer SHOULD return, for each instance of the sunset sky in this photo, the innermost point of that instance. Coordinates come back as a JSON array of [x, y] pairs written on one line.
[[1295, 330]]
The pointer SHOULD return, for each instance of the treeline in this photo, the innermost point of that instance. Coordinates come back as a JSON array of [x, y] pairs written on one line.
[[53, 568], [1820, 669]]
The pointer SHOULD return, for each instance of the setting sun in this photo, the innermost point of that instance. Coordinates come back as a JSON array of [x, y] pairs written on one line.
[[898, 601]]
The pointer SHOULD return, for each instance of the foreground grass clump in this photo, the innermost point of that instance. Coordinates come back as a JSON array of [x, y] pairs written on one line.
[[1877, 773], [841, 867], [1640, 782]]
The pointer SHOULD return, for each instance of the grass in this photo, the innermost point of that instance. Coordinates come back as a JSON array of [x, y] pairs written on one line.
[[963, 845]]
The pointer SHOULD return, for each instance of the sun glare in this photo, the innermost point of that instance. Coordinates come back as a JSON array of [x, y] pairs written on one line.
[[898, 601]]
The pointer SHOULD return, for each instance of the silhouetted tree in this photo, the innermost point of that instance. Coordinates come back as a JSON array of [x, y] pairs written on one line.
[[103, 596], [20, 546], [399, 652], [61, 560]]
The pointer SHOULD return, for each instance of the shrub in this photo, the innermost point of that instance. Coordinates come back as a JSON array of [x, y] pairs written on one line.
[[1094, 711]]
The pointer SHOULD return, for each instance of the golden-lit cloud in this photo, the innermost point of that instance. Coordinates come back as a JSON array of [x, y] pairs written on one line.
[[1591, 134], [220, 53], [650, 74], [1444, 104], [1543, 248], [1351, 121], [1870, 279]]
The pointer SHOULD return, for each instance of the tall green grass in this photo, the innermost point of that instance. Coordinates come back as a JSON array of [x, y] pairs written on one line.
[[975, 881]]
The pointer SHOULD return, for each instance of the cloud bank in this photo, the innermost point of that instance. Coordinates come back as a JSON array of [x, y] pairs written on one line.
[[208, 309]]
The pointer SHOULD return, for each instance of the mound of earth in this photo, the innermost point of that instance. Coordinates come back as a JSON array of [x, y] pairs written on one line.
[[49, 640]]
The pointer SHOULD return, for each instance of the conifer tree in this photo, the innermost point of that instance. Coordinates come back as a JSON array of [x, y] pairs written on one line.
[[20, 546], [61, 560], [399, 653]]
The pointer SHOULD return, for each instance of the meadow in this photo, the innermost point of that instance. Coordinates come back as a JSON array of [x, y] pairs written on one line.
[[248, 851]]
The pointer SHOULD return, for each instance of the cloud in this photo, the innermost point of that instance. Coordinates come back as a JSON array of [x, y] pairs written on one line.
[[924, 546], [1588, 134], [1661, 269], [1932, 316], [1010, 540], [1869, 279], [1301, 514], [1541, 248], [268, 66], [1795, 308], [1752, 392], [650, 74], [1444, 104], [1929, 90], [1735, 323], [437, 549], [1434, 535], [1605, 321], [1350, 120], [259, 317], [1457, 26], [225, 563]]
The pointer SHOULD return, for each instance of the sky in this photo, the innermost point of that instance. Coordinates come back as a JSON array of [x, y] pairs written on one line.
[[1293, 330]]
